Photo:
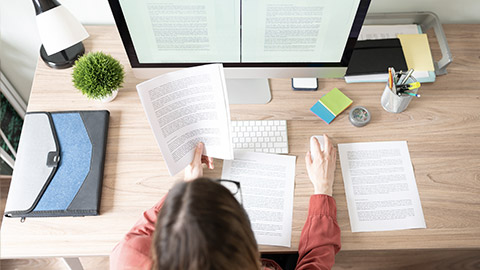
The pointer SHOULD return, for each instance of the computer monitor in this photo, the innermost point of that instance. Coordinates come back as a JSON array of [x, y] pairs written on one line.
[[253, 39]]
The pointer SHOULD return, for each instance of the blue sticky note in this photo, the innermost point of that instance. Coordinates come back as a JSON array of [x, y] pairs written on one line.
[[322, 112]]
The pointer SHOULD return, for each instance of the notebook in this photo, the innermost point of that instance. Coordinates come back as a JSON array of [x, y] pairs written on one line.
[[418, 56], [372, 58], [331, 105], [59, 165], [415, 50]]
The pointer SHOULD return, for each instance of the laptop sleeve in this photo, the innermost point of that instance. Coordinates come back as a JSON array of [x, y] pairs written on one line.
[[59, 165]]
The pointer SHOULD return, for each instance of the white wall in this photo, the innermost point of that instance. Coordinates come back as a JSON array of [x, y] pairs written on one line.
[[19, 41]]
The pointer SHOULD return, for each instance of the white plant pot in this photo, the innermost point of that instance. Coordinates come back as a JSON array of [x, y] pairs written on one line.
[[110, 98]]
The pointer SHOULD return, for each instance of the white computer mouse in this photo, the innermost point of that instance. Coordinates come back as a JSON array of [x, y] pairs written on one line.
[[321, 140]]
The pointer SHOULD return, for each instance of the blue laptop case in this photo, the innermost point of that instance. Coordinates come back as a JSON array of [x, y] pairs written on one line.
[[59, 165]]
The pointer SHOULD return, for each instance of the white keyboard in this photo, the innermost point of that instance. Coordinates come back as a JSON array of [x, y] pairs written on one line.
[[268, 136]]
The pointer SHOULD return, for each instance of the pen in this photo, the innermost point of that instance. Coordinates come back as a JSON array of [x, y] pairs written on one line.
[[399, 75], [409, 73], [409, 86], [408, 93], [412, 94]]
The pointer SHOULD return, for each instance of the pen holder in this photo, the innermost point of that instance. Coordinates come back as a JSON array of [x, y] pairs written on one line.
[[394, 103]]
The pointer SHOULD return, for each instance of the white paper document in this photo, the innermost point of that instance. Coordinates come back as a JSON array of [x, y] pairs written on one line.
[[186, 107], [386, 31], [266, 183], [380, 186]]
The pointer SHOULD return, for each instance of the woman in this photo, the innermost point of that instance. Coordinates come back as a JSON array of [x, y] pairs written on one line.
[[200, 225]]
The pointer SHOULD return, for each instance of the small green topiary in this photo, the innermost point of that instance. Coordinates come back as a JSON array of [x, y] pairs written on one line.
[[97, 75]]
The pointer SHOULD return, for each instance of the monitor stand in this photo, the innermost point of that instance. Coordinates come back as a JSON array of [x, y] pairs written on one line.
[[248, 91]]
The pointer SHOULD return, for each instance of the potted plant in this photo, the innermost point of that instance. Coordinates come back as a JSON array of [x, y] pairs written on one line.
[[98, 76]]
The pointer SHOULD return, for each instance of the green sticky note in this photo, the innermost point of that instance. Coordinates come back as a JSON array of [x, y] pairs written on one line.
[[335, 101]]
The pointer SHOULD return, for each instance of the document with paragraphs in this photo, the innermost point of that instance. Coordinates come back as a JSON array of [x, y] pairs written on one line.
[[380, 186], [266, 183], [186, 107]]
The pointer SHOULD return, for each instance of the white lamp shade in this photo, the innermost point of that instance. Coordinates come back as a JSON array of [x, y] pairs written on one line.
[[59, 29]]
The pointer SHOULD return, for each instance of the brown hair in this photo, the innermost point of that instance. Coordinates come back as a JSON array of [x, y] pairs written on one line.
[[202, 226]]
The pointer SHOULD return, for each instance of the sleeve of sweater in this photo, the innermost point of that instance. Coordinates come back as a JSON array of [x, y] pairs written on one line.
[[320, 238], [133, 252]]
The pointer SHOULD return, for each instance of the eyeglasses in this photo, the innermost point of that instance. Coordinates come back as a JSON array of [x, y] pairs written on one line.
[[233, 187]]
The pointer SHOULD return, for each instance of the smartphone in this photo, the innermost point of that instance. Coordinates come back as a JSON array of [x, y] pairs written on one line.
[[305, 84]]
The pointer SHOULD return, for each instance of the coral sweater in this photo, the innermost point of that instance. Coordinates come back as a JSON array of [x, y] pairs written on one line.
[[319, 241]]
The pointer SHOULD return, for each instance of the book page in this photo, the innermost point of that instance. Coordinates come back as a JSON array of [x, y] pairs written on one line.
[[188, 31], [186, 107], [296, 31], [266, 183], [380, 186]]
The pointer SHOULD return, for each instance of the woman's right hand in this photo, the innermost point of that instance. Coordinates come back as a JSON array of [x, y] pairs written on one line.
[[195, 169], [321, 166]]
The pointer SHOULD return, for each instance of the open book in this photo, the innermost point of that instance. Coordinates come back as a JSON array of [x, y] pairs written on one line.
[[186, 107]]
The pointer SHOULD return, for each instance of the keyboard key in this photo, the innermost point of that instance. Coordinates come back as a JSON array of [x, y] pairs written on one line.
[[281, 144]]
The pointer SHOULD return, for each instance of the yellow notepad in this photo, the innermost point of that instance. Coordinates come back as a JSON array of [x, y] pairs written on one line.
[[417, 51], [335, 101]]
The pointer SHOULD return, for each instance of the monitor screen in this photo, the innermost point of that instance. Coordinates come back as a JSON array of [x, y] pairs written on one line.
[[253, 39], [239, 33]]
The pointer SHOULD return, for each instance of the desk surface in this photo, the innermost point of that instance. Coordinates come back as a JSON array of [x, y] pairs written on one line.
[[442, 129]]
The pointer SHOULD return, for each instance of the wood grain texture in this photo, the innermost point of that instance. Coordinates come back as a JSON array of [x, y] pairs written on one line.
[[358, 260], [442, 129]]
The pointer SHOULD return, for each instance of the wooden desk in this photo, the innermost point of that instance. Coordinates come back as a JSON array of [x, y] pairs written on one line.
[[442, 129]]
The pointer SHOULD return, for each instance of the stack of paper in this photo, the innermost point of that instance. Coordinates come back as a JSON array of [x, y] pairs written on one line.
[[331, 105]]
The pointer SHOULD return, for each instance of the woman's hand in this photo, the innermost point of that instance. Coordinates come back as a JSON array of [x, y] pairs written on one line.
[[195, 169], [321, 166]]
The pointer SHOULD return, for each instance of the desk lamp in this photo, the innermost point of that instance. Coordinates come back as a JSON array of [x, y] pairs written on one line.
[[61, 34]]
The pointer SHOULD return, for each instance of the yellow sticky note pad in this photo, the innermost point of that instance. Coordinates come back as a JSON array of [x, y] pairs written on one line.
[[335, 101], [417, 51]]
